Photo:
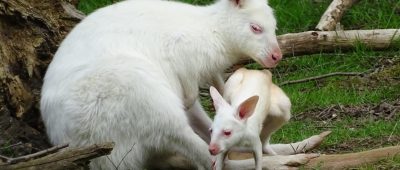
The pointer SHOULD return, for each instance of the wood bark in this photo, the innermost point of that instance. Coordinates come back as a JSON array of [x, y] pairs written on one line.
[[30, 32], [71, 158], [341, 161], [333, 14], [312, 42]]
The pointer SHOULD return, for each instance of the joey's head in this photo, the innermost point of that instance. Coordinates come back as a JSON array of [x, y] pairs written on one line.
[[229, 125], [250, 28]]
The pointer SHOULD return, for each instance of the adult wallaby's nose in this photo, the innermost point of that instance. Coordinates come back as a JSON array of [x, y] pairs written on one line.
[[213, 149], [273, 58], [276, 54]]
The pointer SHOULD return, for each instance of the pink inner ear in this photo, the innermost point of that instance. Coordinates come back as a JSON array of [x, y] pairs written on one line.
[[242, 112]]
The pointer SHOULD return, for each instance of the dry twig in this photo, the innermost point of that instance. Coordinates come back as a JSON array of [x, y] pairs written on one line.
[[34, 155], [322, 77]]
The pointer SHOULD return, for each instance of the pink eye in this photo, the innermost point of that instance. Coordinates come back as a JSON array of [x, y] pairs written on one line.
[[227, 133], [256, 28]]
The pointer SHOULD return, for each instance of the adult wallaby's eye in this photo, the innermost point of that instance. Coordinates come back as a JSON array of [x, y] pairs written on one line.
[[227, 132], [210, 130], [257, 29]]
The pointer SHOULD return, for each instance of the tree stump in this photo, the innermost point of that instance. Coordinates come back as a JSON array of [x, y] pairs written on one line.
[[30, 32]]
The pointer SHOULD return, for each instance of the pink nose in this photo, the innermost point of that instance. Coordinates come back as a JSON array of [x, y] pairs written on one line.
[[213, 149], [276, 55], [273, 58]]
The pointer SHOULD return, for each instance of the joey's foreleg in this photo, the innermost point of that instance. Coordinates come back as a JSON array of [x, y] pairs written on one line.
[[199, 121]]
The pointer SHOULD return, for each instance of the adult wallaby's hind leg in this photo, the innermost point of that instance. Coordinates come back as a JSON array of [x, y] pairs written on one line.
[[190, 145]]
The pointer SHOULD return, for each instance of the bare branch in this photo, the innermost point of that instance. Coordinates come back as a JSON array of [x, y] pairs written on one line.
[[13, 145], [322, 77], [35, 155], [70, 158]]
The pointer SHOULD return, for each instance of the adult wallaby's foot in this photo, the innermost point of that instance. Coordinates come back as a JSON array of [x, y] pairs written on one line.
[[272, 162], [300, 147], [315, 141]]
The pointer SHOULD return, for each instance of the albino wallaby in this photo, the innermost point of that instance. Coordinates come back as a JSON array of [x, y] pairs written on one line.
[[251, 110], [130, 73]]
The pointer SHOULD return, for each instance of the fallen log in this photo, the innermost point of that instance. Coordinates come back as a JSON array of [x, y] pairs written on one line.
[[314, 42], [341, 161], [70, 158], [333, 14]]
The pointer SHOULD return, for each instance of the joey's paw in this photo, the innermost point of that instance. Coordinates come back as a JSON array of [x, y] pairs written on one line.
[[316, 140]]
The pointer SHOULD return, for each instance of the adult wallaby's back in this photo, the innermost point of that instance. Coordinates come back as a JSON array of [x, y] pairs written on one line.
[[130, 72]]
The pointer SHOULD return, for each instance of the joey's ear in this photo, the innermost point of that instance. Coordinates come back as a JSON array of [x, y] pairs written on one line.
[[246, 109], [218, 100]]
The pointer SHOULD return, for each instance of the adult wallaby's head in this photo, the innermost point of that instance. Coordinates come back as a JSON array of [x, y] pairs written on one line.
[[229, 125], [249, 25]]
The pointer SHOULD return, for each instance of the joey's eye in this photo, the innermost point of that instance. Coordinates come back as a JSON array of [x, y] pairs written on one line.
[[227, 132], [210, 130], [257, 29]]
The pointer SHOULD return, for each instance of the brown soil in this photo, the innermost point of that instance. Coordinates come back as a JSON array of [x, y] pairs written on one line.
[[17, 138], [384, 110]]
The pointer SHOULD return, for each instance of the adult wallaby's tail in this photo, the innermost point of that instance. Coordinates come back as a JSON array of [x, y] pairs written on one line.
[[349, 160]]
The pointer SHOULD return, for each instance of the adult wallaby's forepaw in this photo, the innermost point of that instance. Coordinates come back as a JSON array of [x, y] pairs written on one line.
[[295, 161], [301, 159]]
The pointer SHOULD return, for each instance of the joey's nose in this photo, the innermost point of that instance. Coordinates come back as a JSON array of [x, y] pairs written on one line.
[[213, 149]]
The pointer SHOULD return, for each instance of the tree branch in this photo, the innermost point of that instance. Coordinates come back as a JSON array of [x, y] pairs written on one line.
[[35, 155], [322, 77], [70, 158]]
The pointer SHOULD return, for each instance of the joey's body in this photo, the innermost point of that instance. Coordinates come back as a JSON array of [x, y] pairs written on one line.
[[251, 132]]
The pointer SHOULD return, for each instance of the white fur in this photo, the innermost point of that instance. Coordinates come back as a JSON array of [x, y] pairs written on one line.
[[130, 72], [271, 112]]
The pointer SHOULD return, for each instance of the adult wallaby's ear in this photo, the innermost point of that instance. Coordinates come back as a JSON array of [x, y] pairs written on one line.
[[218, 100], [237, 3], [246, 109]]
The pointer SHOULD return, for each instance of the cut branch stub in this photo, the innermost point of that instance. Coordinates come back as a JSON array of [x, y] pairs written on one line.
[[334, 14]]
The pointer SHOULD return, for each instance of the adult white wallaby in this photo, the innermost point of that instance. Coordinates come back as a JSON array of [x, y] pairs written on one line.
[[251, 110], [130, 73]]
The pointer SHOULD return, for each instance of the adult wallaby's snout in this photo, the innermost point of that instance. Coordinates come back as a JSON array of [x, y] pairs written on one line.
[[273, 58]]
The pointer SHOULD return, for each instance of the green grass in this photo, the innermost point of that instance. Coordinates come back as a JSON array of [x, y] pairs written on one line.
[[303, 15], [343, 130]]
